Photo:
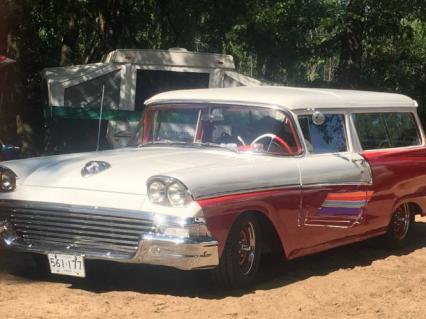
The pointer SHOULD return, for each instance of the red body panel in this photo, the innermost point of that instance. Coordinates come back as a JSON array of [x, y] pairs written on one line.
[[399, 176], [281, 206]]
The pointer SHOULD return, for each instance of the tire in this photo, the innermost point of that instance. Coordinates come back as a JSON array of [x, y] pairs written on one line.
[[240, 258], [400, 227]]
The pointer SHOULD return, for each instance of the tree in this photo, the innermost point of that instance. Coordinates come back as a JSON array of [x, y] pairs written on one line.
[[366, 44]]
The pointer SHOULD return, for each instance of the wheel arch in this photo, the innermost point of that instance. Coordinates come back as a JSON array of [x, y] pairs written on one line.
[[272, 239], [221, 218], [414, 206]]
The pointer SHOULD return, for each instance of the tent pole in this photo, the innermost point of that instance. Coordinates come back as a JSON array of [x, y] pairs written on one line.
[[100, 118]]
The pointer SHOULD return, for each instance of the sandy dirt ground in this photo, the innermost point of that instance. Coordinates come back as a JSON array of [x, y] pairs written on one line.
[[362, 281]]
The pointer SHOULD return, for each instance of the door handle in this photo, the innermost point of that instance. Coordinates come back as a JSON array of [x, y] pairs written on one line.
[[358, 161]]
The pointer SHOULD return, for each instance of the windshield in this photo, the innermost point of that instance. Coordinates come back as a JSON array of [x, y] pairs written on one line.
[[240, 128]]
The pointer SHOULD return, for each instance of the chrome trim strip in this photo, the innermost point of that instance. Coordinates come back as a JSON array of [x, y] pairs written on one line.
[[81, 244], [26, 234], [96, 213], [224, 102], [369, 183], [283, 187], [248, 191], [73, 223], [152, 250], [68, 209]]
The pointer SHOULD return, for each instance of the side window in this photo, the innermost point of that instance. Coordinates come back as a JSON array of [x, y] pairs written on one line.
[[386, 130], [329, 137], [89, 93]]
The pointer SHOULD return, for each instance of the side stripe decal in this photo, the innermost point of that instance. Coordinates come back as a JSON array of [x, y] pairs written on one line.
[[347, 204]]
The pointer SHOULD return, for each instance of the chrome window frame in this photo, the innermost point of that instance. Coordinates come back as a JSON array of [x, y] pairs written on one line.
[[409, 109], [289, 113], [338, 111]]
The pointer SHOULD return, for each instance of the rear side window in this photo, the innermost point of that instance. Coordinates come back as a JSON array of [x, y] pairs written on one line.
[[386, 130], [329, 137]]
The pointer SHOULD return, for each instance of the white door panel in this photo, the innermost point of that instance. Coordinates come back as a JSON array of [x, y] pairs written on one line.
[[347, 168]]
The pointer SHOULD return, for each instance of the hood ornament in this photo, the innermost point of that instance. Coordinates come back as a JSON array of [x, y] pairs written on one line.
[[94, 167]]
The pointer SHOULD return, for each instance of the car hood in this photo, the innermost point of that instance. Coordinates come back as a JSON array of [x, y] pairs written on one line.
[[204, 171]]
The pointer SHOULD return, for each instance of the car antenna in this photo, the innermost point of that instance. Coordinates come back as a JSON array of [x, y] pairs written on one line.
[[100, 118]]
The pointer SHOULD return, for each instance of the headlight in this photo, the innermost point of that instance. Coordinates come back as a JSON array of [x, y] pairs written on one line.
[[7, 180], [157, 191], [168, 191], [178, 194]]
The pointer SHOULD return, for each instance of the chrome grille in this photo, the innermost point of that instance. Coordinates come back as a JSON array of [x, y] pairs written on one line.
[[80, 229]]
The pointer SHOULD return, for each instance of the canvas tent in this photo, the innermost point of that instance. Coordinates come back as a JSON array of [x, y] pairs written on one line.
[[123, 81]]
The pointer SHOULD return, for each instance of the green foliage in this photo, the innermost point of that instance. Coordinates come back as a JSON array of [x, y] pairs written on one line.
[[366, 44]]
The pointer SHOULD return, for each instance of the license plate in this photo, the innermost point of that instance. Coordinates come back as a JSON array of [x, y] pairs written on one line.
[[69, 265]]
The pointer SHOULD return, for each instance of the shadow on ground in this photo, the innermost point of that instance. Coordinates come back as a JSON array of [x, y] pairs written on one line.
[[105, 277]]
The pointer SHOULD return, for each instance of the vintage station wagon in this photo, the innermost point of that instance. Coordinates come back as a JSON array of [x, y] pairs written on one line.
[[222, 176]]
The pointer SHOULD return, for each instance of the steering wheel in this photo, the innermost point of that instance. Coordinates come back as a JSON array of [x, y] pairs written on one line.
[[273, 137]]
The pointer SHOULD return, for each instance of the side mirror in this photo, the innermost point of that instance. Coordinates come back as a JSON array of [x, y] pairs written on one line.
[[318, 118]]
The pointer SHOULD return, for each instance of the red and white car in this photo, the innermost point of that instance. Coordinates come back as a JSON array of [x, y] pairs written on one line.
[[222, 176]]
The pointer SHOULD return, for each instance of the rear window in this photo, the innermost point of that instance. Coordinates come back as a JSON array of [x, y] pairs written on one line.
[[329, 137], [386, 130]]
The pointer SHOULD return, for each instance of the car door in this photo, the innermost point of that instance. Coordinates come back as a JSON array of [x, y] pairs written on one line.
[[335, 181]]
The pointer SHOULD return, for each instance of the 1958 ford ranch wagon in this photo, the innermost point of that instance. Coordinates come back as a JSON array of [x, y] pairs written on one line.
[[222, 176]]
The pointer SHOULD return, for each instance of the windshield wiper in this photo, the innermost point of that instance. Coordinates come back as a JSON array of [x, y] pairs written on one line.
[[230, 147], [164, 142]]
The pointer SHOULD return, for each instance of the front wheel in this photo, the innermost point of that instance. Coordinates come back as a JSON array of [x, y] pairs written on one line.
[[400, 227], [241, 256]]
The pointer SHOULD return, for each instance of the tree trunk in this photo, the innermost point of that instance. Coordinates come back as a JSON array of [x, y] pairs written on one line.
[[350, 65], [70, 39]]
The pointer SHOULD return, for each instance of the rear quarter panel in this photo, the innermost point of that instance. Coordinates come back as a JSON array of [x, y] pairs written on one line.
[[399, 176]]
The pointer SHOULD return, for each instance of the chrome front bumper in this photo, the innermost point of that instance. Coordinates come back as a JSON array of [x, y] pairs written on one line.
[[154, 247]]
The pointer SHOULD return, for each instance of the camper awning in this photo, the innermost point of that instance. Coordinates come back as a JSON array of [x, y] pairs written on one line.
[[78, 73]]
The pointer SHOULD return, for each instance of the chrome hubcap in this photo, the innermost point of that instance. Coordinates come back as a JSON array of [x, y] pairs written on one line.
[[401, 221], [247, 248]]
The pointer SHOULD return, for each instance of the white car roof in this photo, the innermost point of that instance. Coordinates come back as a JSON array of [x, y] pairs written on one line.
[[287, 97]]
